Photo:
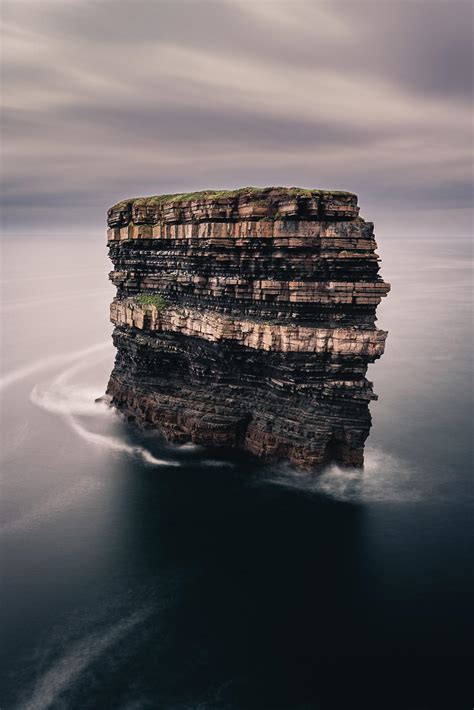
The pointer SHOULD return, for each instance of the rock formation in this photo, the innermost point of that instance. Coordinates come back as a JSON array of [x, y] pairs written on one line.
[[246, 319]]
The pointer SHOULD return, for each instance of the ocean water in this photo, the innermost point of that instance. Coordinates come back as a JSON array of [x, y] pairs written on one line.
[[137, 575]]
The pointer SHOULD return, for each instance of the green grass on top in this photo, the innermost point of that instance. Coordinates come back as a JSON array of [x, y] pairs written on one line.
[[215, 194]]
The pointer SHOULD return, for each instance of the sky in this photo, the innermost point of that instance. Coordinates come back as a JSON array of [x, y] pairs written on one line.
[[108, 99]]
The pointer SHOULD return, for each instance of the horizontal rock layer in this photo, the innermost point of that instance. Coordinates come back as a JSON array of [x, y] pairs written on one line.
[[264, 325], [249, 333]]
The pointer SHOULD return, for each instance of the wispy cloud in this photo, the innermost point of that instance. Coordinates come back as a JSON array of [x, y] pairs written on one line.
[[105, 99]]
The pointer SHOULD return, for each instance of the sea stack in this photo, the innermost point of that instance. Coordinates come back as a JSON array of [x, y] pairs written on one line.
[[246, 318]]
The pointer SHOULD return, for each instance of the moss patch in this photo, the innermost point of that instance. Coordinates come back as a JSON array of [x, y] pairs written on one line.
[[152, 299]]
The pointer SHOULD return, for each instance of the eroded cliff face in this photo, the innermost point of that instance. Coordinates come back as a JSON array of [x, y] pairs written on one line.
[[247, 319]]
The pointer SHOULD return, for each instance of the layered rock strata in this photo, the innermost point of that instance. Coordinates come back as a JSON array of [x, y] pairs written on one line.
[[246, 318]]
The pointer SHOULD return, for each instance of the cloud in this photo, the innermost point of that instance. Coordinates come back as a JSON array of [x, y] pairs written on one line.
[[107, 99]]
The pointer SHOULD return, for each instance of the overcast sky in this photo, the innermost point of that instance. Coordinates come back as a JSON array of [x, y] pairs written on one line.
[[108, 99]]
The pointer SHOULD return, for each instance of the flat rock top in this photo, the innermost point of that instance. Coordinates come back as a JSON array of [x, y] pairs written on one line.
[[243, 194]]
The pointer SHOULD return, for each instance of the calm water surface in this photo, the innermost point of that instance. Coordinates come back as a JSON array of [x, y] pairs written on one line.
[[137, 575]]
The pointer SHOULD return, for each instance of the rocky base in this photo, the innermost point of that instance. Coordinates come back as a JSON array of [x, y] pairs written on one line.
[[246, 319]]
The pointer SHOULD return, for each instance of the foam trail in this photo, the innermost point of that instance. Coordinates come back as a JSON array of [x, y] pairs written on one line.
[[69, 400], [58, 504], [189, 446], [215, 463], [114, 443], [65, 375], [61, 398], [48, 362], [64, 673], [384, 478], [59, 298]]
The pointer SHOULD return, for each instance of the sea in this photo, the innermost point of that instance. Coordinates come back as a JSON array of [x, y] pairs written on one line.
[[137, 575]]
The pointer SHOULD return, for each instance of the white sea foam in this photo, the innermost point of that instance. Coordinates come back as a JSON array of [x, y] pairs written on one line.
[[64, 672], [71, 401], [215, 463], [384, 477], [60, 397], [49, 362], [114, 443], [189, 446]]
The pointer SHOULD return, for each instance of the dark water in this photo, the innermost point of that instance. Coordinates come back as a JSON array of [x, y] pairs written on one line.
[[140, 576]]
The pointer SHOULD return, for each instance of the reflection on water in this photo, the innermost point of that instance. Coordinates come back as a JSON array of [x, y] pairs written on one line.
[[142, 575]]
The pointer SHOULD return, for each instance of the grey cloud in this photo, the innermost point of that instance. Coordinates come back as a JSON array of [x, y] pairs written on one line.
[[421, 44], [424, 45], [214, 126], [105, 99]]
